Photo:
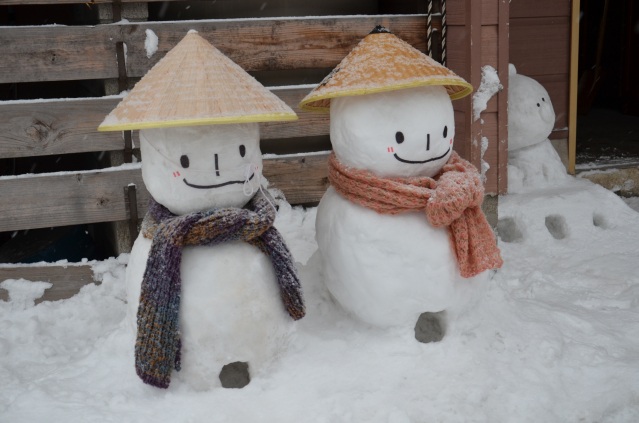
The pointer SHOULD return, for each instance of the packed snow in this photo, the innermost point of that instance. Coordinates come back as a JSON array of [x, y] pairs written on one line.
[[553, 337], [488, 87], [150, 43]]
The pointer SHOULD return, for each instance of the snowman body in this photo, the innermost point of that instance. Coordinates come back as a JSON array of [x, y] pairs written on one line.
[[388, 269], [230, 308]]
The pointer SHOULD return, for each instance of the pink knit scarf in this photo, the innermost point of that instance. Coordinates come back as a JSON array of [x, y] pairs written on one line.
[[452, 198]]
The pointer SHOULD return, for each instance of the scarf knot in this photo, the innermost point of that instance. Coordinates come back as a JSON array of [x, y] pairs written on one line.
[[158, 344], [451, 199]]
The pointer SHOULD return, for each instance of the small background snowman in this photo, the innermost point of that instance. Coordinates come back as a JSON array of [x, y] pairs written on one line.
[[388, 253], [211, 287], [532, 160]]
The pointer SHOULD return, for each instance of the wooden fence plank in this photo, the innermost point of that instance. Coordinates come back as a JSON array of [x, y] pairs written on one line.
[[303, 179], [266, 44], [66, 280], [42, 201], [58, 53], [39, 128], [62, 199], [54, 53]]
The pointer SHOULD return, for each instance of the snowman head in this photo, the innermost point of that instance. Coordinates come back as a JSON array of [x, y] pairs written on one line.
[[398, 133], [531, 116], [197, 168]]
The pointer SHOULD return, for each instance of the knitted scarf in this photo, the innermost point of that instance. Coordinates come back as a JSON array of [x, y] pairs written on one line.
[[452, 199], [157, 348]]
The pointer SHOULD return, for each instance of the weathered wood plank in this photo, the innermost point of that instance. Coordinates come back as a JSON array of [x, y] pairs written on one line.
[[42, 201], [309, 124], [38, 128], [540, 46], [66, 280], [266, 44], [53, 53], [58, 53], [303, 179], [56, 127]]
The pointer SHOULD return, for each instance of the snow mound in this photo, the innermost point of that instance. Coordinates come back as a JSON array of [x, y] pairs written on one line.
[[554, 337]]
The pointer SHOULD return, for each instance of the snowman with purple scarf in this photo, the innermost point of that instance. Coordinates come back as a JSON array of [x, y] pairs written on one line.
[[212, 289]]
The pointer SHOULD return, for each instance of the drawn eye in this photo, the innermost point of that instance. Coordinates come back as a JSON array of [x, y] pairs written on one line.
[[399, 137], [445, 131], [184, 161], [538, 105], [543, 99], [242, 150]]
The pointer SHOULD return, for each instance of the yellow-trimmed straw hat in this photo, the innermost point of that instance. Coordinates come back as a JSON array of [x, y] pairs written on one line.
[[383, 62], [195, 84]]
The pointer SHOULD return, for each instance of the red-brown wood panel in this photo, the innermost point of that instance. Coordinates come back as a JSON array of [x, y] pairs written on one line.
[[489, 45], [539, 8], [457, 46], [540, 46], [462, 142], [456, 12]]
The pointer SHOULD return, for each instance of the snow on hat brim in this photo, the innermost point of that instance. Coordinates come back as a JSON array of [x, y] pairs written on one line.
[[195, 84], [383, 62]]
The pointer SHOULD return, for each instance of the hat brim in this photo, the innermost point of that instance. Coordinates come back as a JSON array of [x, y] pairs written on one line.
[[272, 117], [322, 102]]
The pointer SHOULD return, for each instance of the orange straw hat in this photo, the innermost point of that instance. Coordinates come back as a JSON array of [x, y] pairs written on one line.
[[382, 62], [195, 84]]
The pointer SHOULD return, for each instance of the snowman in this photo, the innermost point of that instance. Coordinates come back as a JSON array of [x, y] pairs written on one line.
[[401, 224], [211, 288], [532, 160]]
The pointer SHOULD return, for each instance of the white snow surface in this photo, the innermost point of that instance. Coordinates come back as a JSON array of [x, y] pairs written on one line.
[[150, 43], [489, 86], [553, 337]]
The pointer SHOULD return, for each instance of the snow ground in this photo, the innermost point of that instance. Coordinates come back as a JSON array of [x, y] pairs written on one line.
[[553, 338]]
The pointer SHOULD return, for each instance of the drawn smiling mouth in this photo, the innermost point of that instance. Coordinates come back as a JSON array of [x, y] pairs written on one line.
[[217, 185], [422, 161]]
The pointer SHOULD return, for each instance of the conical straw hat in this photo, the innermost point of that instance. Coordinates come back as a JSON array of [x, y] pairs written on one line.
[[383, 62], [195, 84]]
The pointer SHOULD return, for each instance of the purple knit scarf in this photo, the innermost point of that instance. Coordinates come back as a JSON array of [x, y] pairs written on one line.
[[157, 348]]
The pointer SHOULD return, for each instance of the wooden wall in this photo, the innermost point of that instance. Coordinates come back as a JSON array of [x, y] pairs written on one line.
[[540, 49], [478, 37]]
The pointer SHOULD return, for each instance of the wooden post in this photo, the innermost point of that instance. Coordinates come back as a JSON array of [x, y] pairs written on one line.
[[474, 51], [503, 58], [574, 76]]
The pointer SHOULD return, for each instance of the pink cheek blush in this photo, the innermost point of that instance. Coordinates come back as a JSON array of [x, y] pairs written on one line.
[[390, 149], [451, 141]]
